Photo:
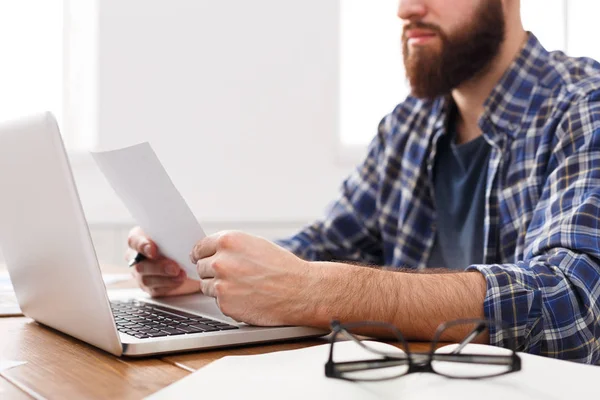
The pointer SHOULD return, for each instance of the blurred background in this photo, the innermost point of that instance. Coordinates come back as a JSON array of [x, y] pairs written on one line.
[[258, 109]]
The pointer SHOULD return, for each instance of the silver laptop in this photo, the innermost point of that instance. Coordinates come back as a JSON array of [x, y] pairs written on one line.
[[55, 273]]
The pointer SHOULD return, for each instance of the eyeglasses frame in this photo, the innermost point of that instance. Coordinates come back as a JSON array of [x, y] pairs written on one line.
[[417, 361]]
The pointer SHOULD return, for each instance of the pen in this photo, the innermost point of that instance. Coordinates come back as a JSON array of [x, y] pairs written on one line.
[[139, 257]]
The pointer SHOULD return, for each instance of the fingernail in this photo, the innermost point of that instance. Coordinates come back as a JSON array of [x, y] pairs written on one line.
[[172, 270], [146, 250]]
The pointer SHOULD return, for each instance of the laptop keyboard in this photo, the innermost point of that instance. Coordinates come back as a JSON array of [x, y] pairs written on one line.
[[146, 320]]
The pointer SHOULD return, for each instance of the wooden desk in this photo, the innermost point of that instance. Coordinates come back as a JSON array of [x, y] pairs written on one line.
[[59, 366]]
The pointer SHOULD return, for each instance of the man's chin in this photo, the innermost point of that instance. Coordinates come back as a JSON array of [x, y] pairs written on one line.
[[423, 56]]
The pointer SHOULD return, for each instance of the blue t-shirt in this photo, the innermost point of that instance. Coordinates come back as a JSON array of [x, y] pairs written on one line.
[[459, 182]]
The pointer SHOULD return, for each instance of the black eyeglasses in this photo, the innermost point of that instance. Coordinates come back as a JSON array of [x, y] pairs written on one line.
[[382, 363]]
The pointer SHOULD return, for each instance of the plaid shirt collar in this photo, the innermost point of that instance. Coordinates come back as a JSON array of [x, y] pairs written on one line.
[[507, 104]]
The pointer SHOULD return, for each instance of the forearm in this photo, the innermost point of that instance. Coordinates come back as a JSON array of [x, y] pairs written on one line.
[[415, 303]]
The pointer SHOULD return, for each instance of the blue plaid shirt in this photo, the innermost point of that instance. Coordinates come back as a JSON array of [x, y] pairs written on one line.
[[542, 210]]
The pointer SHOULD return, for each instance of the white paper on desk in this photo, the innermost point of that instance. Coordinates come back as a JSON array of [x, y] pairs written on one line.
[[8, 300], [8, 364], [139, 179], [300, 374]]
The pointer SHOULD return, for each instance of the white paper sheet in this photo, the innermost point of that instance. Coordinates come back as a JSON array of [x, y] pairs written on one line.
[[8, 299], [139, 179], [299, 374], [5, 283], [8, 364]]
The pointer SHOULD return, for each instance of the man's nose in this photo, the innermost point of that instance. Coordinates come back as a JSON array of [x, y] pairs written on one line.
[[410, 10]]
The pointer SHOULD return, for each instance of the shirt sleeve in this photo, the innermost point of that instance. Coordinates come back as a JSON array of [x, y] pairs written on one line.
[[349, 231], [551, 300]]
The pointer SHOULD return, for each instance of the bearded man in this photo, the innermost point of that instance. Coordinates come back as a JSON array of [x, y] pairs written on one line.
[[485, 181]]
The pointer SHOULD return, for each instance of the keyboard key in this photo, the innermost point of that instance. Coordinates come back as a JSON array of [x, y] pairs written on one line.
[[146, 329], [228, 327], [173, 331], [141, 336], [135, 328], [140, 318], [152, 320], [195, 330], [204, 327], [188, 329], [159, 334], [202, 320]]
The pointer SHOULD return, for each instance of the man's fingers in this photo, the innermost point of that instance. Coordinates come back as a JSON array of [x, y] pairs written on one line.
[[204, 248], [141, 243], [225, 240], [205, 267], [208, 287], [158, 292], [165, 268], [154, 282]]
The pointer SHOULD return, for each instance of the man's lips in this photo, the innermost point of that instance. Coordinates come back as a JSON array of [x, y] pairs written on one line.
[[416, 36]]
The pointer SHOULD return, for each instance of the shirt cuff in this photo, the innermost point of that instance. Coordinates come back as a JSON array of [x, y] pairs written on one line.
[[513, 298]]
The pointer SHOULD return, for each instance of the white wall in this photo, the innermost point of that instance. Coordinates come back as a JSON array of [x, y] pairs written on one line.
[[238, 98]]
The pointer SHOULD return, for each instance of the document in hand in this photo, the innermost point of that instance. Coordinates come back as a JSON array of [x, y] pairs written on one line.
[[157, 206], [299, 374]]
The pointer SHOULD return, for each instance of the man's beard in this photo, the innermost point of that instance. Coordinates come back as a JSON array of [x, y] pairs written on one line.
[[464, 54]]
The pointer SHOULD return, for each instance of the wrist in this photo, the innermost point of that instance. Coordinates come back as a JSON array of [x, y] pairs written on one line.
[[312, 298], [331, 291]]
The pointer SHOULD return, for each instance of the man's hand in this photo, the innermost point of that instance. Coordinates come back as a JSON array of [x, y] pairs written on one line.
[[157, 275], [254, 280], [258, 282]]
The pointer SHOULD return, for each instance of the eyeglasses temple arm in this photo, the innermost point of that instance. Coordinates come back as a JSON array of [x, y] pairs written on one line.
[[474, 333]]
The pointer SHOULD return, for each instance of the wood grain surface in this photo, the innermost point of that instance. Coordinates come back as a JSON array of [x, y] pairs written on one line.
[[61, 367]]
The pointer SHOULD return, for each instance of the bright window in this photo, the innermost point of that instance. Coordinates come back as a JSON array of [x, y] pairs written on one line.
[[582, 39], [547, 20], [31, 44], [372, 73]]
